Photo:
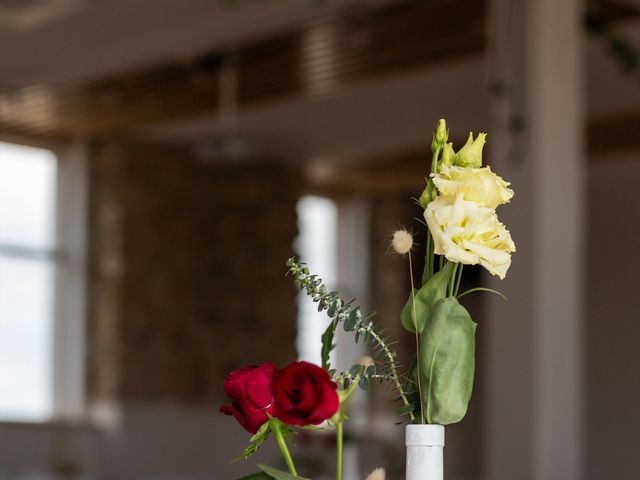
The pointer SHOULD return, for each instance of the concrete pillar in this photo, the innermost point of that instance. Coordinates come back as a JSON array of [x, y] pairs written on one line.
[[533, 362]]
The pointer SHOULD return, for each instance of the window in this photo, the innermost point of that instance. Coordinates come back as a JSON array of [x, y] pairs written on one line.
[[27, 280], [316, 245]]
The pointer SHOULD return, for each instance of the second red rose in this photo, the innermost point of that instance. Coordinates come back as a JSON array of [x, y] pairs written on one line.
[[303, 394]]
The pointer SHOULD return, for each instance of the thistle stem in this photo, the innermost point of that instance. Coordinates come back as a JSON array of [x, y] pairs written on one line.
[[415, 326], [276, 428], [339, 436]]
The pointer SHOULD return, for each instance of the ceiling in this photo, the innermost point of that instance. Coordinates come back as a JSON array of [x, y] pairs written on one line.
[[88, 40], [85, 39]]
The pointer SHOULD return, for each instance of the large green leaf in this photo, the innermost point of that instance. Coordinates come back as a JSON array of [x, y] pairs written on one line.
[[278, 474], [447, 362], [257, 476], [432, 291]]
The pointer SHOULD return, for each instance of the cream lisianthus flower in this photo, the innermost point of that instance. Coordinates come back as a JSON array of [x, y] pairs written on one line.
[[468, 233], [478, 185]]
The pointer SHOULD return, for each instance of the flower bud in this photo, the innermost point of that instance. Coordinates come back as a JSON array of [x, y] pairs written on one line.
[[434, 143], [470, 155], [442, 135], [425, 197], [448, 155]]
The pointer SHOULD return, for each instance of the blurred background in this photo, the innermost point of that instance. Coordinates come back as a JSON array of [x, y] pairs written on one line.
[[160, 161]]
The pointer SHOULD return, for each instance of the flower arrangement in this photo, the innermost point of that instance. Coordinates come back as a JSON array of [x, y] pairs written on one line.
[[459, 205]]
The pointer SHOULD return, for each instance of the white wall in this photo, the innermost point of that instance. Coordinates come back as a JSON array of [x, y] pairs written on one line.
[[149, 442]]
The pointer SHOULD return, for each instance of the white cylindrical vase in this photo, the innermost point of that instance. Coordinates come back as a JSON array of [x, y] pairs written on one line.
[[425, 444]]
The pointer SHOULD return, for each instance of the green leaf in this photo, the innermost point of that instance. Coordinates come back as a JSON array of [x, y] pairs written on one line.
[[327, 345], [405, 409], [312, 428], [254, 442], [483, 289], [278, 474], [257, 476], [432, 291], [447, 362], [411, 385], [363, 383]]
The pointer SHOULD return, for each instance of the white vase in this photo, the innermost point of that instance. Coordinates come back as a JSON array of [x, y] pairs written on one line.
[[425, 444]]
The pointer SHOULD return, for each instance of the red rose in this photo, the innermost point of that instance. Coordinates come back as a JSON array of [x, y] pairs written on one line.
[[250, 390], [303, 394]]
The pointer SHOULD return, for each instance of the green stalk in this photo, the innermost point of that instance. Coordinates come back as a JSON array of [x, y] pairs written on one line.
[[455, 293], [339, 436], [428, 260], [276, 428], [452, 280], [429, 263]]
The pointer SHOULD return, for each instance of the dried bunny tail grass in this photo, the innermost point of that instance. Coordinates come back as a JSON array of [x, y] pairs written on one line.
[[366, 361], [377, 474], [402, 242]]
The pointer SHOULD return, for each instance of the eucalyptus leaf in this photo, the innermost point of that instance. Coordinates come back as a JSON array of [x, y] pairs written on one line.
[[447, 362], [355, 370], [278, 474], [425, 298], [352, 320]]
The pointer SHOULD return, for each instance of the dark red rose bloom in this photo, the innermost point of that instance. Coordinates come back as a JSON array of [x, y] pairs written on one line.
[[250, 390], [303, 394]]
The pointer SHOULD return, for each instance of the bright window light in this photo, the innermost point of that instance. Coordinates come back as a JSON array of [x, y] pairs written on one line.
[[27, 269], [315, 245]]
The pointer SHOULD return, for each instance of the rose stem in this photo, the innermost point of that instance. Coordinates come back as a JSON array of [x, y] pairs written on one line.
[[415, 326], [276, 428], [339, 450]]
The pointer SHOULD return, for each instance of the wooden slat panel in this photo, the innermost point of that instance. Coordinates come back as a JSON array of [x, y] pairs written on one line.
[[319, 59]]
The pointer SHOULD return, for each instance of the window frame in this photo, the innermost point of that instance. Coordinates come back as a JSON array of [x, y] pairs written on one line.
[[69, 329]]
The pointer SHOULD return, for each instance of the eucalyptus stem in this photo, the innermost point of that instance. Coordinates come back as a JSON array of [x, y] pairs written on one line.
[[393, 369], [351, 319], [276, 428]]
